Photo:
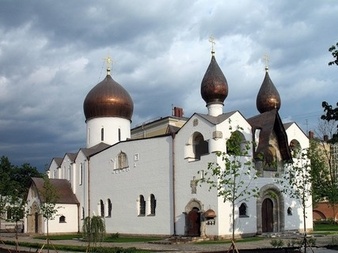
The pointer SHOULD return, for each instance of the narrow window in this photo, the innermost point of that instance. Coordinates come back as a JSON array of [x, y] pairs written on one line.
[[142, 207], [109, 206], [152, 204], [289, 211], [102, 134], [101, 208], [119, 134], [83, 213], [62, 219], [80, 173], [243, 210]]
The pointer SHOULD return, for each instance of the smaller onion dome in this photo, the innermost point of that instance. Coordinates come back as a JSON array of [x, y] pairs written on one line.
[[268, 97], [209, 214], [108, 99], [214, 86]]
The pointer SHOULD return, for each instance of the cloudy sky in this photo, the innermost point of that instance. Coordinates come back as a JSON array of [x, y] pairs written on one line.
[[52, 53]]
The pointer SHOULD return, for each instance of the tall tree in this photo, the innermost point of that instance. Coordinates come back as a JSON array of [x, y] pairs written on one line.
[[232, 179], [48, 209], [296, 182], [334, 51], [330, 113]]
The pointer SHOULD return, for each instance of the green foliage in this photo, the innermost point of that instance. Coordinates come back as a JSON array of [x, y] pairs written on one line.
[[334, 51], [323, 172], [49, 197], [277, 243], [93, 229]]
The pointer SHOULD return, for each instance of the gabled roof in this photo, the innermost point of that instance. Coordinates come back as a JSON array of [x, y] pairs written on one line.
[[269, 122], [218, 119], [58, 161], [95, 149], [62, 188]]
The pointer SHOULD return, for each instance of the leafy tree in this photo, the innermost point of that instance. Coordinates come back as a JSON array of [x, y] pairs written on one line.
[[334, 51], [296, 182], [232, 179], [323, 172], [48, 208], [93, 230], [330, 113]]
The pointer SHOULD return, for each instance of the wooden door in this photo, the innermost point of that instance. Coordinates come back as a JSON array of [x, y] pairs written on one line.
[[194, 222], [267, 216]]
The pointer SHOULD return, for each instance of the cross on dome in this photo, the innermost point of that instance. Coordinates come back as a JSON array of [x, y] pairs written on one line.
[[212, 41]]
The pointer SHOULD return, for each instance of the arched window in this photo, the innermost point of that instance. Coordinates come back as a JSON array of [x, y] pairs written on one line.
[[243, 209], [200, 146], [289, 211], [152, 204], [101, 208], [236, 144], [62, 219], [109, 207], [295, 148], [122, 161], [102, 134], [142, 206]]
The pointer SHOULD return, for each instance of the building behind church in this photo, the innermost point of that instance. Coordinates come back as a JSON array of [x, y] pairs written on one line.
[[143, 181]]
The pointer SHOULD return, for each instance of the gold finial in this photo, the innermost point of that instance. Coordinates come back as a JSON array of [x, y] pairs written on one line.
[[108, 64], [266, 60], [212, 41]]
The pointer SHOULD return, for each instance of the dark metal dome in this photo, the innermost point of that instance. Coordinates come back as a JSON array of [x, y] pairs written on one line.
[[268, 97], [108, 99], [214, 86]]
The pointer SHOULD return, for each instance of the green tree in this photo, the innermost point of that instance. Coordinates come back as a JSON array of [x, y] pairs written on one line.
[[296, 182], [93, 230], [233, 177], [330, 113], [48, 209], [334, 51], [324, 172]]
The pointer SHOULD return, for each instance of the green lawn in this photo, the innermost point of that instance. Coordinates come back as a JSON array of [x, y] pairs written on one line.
[[325, 228], [109, 238]]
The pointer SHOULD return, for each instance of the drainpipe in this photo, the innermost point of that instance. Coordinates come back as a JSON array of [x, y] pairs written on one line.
[[173, 135], [88, 187]]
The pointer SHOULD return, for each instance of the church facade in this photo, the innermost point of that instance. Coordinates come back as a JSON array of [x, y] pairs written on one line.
[[147, 181]]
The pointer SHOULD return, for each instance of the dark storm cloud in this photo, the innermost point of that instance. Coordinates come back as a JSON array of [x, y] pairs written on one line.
[[51, 55]]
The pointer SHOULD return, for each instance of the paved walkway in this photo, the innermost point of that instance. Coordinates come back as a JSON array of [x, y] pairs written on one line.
[[165, 246]]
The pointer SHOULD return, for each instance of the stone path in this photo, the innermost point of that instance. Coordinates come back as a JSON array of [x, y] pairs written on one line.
[[165, 246]]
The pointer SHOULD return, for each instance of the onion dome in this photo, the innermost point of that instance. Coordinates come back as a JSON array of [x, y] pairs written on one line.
[[214, 86], [108, 99], [268, 97]]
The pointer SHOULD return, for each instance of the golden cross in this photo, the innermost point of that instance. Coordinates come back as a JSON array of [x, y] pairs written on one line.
[[108, 63], [266, 60], [212, 41]]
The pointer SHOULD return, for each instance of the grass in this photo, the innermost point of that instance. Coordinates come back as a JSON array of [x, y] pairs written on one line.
[[109, 238], [324, 228]]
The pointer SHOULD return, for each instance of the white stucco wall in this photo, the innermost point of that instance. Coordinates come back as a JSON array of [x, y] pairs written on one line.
[[70, 211], [149, 172], [110, 126]]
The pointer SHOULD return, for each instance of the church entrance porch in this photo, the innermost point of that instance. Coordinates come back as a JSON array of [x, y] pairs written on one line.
[[270, 206]]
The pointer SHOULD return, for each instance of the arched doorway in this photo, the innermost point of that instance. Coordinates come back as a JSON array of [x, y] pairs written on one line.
[[267, 215], [270, 210], [194, 222], [193, 212]]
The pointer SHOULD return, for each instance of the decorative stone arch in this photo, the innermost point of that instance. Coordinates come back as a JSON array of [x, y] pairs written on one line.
[[34, 219], [193, 218], [196, 147], [270, 195]]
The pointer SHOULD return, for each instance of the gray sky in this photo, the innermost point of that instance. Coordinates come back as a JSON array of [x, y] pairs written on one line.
[[52, 53]]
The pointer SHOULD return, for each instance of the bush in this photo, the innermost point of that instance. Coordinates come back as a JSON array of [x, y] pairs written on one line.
[[277, 243]]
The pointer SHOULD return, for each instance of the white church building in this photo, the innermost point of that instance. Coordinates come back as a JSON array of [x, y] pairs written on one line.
[[144, 181]]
